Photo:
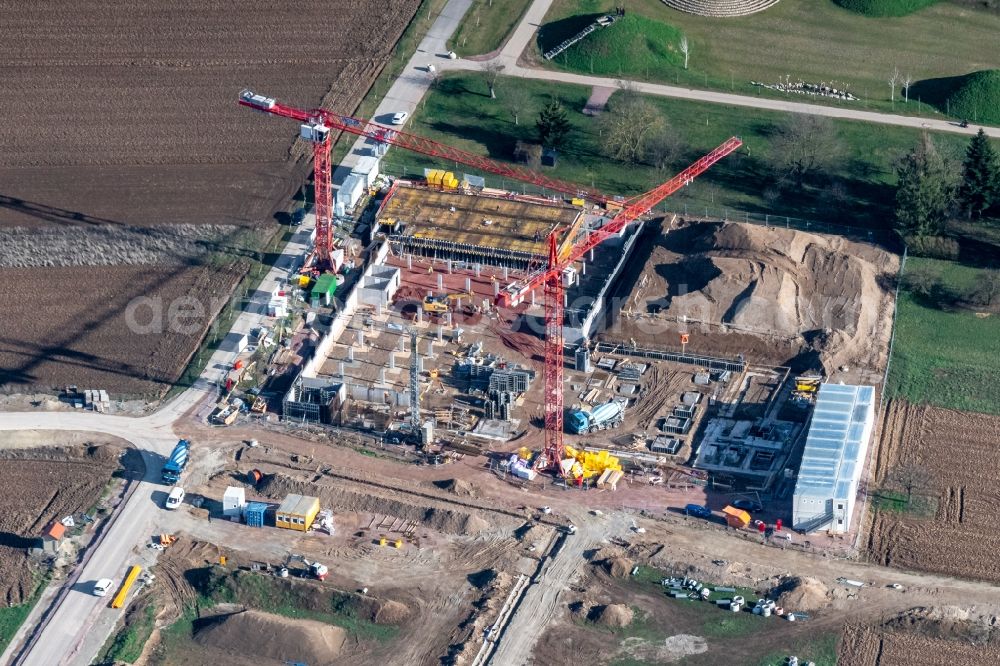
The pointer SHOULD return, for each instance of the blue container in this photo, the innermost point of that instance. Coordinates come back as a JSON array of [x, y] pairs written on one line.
[[254, 513]]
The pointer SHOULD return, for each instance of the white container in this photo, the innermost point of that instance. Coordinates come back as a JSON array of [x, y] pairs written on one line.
[[233, 501], [351, 191], [368, 169]]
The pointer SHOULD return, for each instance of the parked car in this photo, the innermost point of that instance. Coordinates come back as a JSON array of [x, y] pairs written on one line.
[[748, 505], [698, 511], [175, 498], [103, 586], [400, 118]]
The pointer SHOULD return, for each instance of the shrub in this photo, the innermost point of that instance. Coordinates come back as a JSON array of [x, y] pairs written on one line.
[[977, 97], [882, 8], [935, 247]]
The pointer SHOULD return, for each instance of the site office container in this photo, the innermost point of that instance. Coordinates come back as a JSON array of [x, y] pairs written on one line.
[[297, 512]]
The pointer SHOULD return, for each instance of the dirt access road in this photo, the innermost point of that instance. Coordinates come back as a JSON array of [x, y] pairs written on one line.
[[545, 592]]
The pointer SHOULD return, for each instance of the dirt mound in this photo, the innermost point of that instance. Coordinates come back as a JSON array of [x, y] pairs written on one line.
[[823, 293], [387, 611], [457, 487], [613, 615], [342, 497], [272, 636], [802, 594], [618, 567]]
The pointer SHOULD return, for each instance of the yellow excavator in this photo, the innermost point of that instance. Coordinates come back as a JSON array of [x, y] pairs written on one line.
[[439, 303]]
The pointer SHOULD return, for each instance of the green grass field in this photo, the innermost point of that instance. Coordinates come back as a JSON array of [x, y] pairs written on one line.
[[12, 617], [486, 26], [127, 645], [459, 112], [946, 358], [821, 649], [634, 43], [812, 40]]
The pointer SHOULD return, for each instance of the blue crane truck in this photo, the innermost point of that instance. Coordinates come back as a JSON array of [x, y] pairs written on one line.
[[177, 461], [602, 417]]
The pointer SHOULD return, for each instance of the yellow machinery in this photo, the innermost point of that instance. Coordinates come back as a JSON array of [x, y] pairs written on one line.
[[435, 304], [808, 383], [119, 599], [587, 464], [167, 539]]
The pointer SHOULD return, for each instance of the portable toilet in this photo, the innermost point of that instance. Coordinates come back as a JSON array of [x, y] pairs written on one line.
[[233, 502], [254, 513]]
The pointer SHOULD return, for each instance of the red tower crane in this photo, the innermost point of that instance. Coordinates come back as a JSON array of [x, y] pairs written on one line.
[[317, 125], [316, 128], [551, 278]]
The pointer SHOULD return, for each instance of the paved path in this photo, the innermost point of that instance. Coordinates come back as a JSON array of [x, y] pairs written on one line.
[[533, 18], [411, 86]]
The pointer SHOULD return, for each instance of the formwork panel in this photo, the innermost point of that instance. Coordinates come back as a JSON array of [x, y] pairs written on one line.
[[441, 219]]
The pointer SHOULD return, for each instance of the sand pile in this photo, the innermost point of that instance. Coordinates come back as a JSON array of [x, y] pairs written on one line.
[[387, 611], [457, 487], [802, 594], [825, 293], [272, 636], [618, 567], [613, 615]]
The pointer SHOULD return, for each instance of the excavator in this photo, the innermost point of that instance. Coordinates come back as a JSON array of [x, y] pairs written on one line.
[[440, 303]]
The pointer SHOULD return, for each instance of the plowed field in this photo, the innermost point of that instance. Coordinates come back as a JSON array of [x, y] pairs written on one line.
[[960, 451], [38, 486], [78, 327], [125, 114], [874, 646]]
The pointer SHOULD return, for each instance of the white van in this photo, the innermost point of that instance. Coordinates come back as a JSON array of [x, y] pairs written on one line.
[[175, 497]]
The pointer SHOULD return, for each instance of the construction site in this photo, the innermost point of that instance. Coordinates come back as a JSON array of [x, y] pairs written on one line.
[[444, 359]]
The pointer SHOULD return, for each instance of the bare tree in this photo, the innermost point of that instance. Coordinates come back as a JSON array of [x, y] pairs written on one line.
[[628, 124], [685, 49], [893, 82], [910, 477], [516, 99], [491, 72], [987, 289], [804, 145], [664, 147], [907, 81]]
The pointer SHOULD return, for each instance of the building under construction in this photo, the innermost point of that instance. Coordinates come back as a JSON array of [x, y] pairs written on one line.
[[492, 227]]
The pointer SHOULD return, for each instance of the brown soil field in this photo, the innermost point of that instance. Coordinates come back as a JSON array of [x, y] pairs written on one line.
[[959, 450], [126, 115], [84, 336], [922, 638], [40, 485], [776, 295]]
